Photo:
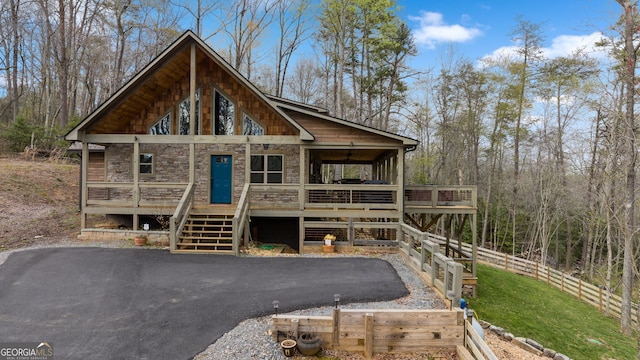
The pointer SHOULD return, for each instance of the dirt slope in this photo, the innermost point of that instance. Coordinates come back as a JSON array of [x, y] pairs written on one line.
[[38, 202]]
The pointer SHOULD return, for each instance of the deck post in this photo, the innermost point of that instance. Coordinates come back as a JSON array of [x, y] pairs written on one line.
[[336, 327], [84, 191], [368, 335], [136, 183]]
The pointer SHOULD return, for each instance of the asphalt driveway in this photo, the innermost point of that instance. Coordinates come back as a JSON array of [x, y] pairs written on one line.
[[95, 303]]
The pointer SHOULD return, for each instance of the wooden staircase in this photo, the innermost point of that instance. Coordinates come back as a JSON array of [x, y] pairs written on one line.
[[206, 233]]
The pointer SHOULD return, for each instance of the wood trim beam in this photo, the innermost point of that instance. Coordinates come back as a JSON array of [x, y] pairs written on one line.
[[183, 139]]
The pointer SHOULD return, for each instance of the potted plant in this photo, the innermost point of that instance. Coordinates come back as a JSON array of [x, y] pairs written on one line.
[[329, 243], [141, 239], [309, 344], [288, 347]]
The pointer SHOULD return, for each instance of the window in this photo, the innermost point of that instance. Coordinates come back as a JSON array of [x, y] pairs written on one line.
[[162, 126], [146, 163], [223, 115], [184, 123], [250, 127], [266, 169]]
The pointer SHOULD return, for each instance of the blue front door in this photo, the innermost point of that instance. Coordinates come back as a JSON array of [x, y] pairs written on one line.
[[221, 179]]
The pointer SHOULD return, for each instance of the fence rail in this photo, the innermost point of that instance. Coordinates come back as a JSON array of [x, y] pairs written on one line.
[[606, 302]]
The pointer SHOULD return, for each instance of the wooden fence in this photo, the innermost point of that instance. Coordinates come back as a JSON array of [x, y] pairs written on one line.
[[387, 330], [608, 303]]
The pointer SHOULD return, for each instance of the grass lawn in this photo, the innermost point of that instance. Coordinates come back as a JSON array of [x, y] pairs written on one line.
[[531, 309]]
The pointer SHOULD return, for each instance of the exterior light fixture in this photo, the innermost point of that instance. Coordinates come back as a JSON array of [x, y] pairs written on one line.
[[276, 304], [336, 299]]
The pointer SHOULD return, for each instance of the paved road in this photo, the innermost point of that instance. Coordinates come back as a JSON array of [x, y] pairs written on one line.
[[96, 303]]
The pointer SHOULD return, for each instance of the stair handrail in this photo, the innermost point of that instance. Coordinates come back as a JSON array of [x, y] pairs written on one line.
[[240, 217], [180, 215]]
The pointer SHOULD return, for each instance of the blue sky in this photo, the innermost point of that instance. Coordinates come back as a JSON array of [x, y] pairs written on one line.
[[481, 28]]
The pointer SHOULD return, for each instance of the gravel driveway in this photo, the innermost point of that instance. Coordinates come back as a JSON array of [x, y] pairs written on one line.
[[148, 304]]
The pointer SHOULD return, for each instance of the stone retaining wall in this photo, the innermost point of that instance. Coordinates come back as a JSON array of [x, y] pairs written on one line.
[[156, 238]]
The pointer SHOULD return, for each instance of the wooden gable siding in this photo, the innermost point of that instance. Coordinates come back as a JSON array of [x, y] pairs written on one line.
[[326, 131], [244, 100], [124, 120], [117, 119]]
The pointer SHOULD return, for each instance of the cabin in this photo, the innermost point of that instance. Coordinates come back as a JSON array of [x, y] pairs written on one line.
[[190, 140]]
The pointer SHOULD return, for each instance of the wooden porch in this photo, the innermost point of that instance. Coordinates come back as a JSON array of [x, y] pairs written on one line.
[[317, 203]]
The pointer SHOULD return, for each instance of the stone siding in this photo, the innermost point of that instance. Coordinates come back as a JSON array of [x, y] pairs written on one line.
[[171, 164]]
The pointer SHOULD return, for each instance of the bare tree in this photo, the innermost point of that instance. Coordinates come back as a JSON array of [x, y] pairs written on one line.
[[628, 58], [249, 20], [293, 26]]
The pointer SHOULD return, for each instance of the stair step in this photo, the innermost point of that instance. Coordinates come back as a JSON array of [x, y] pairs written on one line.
[[199, 240], [209, 233], [205, 244]]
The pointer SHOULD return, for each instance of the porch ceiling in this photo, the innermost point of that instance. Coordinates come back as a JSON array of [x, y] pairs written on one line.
[[349, 156]]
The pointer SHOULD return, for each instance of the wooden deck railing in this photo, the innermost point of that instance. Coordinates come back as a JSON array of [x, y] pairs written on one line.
[[599, 297], [439, 196], [349, 196], [127, 194], [438, 271], [241, 218], [180, 215]]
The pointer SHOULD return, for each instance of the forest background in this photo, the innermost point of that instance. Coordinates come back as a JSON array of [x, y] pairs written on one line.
[[550, 142]]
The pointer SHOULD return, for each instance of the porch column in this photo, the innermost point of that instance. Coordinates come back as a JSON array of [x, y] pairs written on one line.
[[399, 172], [136, 182], [192, 113], [304, 173], [84, 192]]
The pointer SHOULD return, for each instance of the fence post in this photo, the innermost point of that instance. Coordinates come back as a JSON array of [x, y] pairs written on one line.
[[506, 261], [336, 326], [600, 298], [548, 275], [537, 270], [456, 282], [580, 289], [368, 335]]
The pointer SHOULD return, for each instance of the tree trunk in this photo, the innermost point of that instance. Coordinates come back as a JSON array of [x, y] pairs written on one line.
[[630, 12]]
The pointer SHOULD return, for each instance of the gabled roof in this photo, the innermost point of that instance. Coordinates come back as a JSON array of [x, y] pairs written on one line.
[[323, 114], [129, 99]]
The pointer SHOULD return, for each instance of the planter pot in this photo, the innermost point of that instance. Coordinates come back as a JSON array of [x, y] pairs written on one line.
[[309, 344], [140, 241], [288, 347], [328, 248]]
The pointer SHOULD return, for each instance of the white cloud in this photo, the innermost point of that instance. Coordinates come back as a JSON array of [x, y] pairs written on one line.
[[563, 45], [434, 30]]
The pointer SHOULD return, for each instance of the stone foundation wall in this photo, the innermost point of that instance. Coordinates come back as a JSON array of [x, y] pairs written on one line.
[[156, 238]]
